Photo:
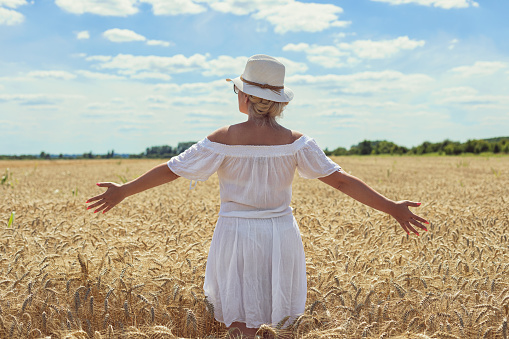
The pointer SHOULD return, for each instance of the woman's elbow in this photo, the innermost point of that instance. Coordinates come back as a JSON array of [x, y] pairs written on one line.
[[336, 179]]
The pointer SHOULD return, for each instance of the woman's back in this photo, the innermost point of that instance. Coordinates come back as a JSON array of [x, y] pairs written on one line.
[[250, 133]]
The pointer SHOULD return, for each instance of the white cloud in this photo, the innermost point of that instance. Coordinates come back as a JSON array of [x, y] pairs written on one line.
[[116, 104], [99, 7], [284, 15], [122, 35], [327, 61], [126, 35], [480, 68], [167, 88], [198, 101], [60, 75], [445, 4], [82, 35], [38, 99], [300, 47], [204, 87], [292, 67], [347, 54], [366, 82], [9, 17], [453, 43], [240, 7], [195, 87], [158, 43], [475, 101], [454, 91], [102, 58], [225, 65], [326, 56], [151, 75], [99, 76], [315, 49], [470, 97], [152, 63], [174, 7], [368, 49], [13, 3], [159, 100], [297, 16]]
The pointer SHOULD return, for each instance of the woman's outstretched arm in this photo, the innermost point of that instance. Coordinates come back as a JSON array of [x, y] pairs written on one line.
[[360, 191], [115, 193]]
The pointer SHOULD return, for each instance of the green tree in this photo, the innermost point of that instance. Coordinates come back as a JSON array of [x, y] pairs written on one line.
[[365, 147], [182, 146], [340, 151], [481, 146]]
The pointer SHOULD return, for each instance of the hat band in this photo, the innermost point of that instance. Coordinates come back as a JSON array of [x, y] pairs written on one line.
[[275, 89]]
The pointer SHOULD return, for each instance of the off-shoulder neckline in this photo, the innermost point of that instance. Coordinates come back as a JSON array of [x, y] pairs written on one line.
[[256, 150], [296, 141]]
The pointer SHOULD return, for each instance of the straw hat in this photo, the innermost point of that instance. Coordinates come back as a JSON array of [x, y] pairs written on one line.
[[264, 77]]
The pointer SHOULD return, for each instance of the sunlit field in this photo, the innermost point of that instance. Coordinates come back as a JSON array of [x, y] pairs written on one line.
[[137, 271]]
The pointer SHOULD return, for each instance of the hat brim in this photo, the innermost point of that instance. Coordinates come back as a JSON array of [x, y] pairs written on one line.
[[284, 95]]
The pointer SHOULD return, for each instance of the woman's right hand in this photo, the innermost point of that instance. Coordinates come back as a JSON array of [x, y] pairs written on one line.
[[409, 221], [109, 199]]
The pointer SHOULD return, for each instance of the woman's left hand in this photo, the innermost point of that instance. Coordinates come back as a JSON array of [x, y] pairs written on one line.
[[109, 199], [406, 218]]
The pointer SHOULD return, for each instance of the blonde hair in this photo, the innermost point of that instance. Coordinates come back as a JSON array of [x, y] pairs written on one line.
[[265, 111]]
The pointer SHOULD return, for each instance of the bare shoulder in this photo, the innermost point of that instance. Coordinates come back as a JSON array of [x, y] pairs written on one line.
[[220, 135], [296, 135]]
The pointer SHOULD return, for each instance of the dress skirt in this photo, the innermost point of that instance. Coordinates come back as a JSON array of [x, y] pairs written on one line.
[[256, 270]]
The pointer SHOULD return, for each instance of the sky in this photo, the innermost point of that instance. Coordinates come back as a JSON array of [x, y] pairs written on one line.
[[98, 75]]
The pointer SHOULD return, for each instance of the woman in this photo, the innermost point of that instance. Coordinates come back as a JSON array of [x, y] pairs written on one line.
[[255, 270]]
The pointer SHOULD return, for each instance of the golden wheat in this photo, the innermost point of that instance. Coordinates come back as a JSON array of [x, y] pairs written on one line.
[[137, 271]]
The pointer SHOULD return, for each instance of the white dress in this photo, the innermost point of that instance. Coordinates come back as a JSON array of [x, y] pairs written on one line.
[[256, 269]]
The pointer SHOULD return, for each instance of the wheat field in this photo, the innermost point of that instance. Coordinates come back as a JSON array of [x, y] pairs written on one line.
[[137, 271]]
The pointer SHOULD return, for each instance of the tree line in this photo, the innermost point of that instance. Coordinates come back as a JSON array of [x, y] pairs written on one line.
[[446, 147], [365, 147], [154, 152]]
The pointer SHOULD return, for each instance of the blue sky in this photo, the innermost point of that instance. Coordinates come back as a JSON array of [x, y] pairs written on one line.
[[96, 75]]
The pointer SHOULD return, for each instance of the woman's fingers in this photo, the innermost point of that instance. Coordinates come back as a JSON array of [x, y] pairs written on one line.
[[404, 227], [97, 197], [409, 226], [108, 208], [418, 224], [102, 201], [412, 203], [100, 208], [104, 184], [418, 218]]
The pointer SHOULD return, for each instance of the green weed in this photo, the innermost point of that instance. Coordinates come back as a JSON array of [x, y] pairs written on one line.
[[5, 177], [462, 163], [495, 172], [11, 220]]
